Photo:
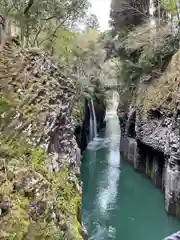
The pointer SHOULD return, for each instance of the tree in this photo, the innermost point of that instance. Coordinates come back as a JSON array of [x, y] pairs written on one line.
[[89, 56], [144, 50], [39, 21], [127, 13], [92, 22]]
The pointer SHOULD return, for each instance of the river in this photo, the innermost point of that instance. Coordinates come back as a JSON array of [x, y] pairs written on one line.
[[119, 203]]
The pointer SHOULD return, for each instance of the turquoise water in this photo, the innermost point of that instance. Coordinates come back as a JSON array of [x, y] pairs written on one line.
[[119, 203]]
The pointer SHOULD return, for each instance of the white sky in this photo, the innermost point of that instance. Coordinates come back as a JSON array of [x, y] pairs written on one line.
[[101, 8]]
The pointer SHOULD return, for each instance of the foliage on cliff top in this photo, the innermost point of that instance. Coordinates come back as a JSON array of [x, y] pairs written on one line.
[[35, 202], [143, 47], [144, 55], [38, 22], [163, 93]]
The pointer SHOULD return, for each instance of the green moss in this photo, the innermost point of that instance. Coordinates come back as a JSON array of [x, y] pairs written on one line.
[[64, 196], [37, 158], [162, 93], [4, 104], [25, 181], [15, 224], [78, 111], [67, 201], [13, 149]]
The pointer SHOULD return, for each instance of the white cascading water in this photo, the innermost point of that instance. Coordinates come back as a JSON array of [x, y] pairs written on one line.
[[112, 108], [91, 127], [93, 124], [94, 119]]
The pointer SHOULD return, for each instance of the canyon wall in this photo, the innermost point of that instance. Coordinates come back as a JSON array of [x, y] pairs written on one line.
[[150, 133], [82, 129], [40, 192]]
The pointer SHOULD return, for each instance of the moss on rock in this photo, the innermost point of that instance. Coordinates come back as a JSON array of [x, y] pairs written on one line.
[[39, 190], [164, 92]]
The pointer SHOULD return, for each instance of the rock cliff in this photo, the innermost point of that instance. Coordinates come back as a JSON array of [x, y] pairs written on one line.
[[40, 191], [151, 133], [82, 129]]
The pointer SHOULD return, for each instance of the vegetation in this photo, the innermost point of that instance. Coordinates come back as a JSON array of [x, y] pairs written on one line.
[[43, 49], [165, 89], [39, 192], [38, 22], [143, 41], [33, 198]]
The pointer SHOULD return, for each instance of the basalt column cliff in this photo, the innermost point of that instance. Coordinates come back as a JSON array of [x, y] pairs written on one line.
[[151, 133], [40, 191]]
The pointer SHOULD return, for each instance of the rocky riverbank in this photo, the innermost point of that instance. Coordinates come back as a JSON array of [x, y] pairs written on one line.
[[150, 136]]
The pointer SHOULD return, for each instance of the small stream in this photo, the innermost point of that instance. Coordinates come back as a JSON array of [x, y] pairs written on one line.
[[119, 203]]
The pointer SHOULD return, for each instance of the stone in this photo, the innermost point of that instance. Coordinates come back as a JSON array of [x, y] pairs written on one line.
[[138, 166], [148, 165], [40, 159], [2, 178], [155, 174], [5, 206], [124, 146], [157, 151], [132, 148]]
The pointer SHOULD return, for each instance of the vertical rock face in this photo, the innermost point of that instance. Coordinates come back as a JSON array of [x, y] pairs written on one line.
[[82, 131], [40, 190], [122, 114], [156, 176], [172, 172], [100, 111], [153, 146]]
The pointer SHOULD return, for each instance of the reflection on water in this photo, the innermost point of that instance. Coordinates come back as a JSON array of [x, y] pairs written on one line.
[[119, 203]]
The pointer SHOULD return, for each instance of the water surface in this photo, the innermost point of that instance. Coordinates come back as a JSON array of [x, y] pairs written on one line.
[[119, 203]]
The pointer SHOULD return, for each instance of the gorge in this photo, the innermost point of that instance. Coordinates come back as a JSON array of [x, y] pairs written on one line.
[[122, 203], [89, 121]]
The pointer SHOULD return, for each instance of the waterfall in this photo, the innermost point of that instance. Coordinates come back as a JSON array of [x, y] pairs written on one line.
[[93, 124], [91, 127], [94, 119], [151, 8]]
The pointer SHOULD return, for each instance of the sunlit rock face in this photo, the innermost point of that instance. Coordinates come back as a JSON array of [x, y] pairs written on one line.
[[151, 142]]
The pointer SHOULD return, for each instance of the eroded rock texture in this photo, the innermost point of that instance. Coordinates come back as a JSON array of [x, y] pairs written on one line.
[[150, 136], [40, 190], [151, 142], [155, 150]]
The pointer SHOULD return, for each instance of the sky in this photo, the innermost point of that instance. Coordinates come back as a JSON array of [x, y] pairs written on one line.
[[101, 8]]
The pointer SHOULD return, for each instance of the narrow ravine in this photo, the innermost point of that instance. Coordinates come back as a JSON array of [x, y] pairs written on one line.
[[119, 203]]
